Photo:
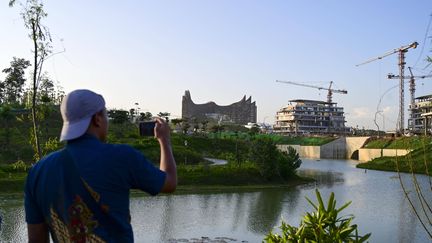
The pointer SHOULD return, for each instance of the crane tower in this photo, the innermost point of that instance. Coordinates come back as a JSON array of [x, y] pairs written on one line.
[[412, 89], [329, 89], [402, 50]]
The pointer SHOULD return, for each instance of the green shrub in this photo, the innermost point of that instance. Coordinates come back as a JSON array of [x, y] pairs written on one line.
[[288, 163], [53, 144], [323, 225], [270, 161], [184, 155], [19, 166]]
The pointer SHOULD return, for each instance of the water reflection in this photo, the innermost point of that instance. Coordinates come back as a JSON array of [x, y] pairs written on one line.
[[266, 209], [377, 202], [323, 178]]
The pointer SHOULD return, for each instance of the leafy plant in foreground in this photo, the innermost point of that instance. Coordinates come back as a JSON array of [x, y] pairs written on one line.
[[323, 225]]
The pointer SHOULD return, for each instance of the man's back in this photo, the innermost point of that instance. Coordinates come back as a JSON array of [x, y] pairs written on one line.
[[57, 192], [81, 193]]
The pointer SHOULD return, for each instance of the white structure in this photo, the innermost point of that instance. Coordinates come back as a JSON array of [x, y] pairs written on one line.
[[420, 122], [310, 117]]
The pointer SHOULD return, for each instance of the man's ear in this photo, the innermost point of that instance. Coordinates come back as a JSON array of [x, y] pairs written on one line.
[[96, 120]]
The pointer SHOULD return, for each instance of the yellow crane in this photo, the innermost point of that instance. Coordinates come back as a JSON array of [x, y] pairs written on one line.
[[329, 89]]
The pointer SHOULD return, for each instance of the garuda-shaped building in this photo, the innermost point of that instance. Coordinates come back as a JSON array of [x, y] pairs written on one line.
[[241, 112]]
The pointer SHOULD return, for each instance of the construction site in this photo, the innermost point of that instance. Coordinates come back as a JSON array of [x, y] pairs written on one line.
[[309, 117], [315, 117]]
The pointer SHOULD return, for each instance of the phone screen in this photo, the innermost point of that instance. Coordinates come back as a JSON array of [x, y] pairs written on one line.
[[147, 128]]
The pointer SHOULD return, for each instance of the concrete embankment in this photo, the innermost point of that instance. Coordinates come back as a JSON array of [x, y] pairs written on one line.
[[370, 154], [344, 148], [341, 148]]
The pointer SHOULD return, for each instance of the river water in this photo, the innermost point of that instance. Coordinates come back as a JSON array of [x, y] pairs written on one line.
[[377, 199]]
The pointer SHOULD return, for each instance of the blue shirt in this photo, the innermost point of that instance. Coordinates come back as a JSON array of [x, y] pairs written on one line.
[[109, 171]]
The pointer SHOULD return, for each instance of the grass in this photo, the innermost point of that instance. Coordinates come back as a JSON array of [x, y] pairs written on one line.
[[305, 141], [415, 142], [189, 152], [191, 178], [419, 161], [11, 180], [225, 175]]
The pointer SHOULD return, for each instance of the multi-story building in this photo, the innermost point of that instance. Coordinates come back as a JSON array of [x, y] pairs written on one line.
[[421, 115], [310, 117]]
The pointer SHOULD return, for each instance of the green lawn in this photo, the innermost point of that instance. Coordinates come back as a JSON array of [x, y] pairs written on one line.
[[190, 178], [419, 161], [415, 142]]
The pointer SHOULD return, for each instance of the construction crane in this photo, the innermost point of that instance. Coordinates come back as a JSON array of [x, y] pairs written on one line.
[[412, 86], [329, 89], [401, 50]]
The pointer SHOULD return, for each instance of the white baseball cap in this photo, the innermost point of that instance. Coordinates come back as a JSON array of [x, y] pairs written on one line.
[[77, 109]]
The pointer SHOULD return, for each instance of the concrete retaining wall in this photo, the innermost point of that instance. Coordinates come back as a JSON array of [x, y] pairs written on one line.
[[353, 144], [334, 150], [370, 154], [313, 152], [343, 148]]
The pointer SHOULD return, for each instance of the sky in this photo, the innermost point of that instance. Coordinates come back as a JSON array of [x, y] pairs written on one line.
[[151, 52]]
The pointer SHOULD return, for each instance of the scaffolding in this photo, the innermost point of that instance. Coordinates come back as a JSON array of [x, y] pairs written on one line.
[[310, 117]]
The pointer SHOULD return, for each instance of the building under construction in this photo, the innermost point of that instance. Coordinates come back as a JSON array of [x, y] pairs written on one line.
[[310, 117], [421, 115]]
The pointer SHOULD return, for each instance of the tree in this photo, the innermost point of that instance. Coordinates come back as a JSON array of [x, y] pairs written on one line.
[[164, 115], [6, 117], [185, 126], [288, 163], [145, 116], [255, 129], [33, 13], [2, 94], [204, 125], [132, 113], [264, 154], [176, 122], [47, 90], [13, 86], [118, 116], [272, 162]]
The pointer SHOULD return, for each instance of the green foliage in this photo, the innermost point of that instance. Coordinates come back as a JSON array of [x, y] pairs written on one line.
[[272, 162], [118, 116], [219, 175], [6, 117], [12, 87], [323, 225], [288, 163], [145, 116], [418, 161], [304, 141], [18, 166], [164, 115], [414, 142], [53, 144], [264, 154], [186, 155]]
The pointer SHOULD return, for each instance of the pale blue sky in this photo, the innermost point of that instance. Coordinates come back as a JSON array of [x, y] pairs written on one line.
[[150, 52]]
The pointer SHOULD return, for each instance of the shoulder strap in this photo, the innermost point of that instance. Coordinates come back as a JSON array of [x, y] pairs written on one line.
[[79, 186]]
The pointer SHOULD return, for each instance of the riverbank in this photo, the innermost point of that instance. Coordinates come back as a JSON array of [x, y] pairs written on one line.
[[418, 161], [198, 178]]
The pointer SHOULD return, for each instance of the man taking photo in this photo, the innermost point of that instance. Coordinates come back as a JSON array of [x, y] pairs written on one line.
[[81, 192]]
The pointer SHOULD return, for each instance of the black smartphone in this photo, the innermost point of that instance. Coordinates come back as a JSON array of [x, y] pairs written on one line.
[[147, 128]]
